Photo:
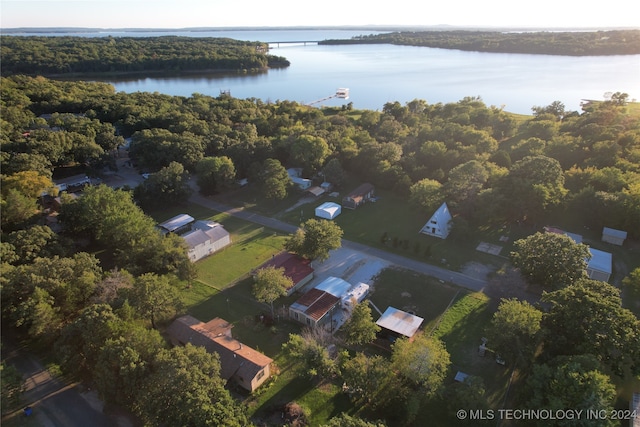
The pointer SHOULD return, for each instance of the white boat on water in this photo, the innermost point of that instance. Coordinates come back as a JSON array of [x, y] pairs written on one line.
[[342, 92]]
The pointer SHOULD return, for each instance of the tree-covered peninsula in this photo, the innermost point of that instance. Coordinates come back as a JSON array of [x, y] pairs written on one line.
[[89, 55], [620, 42]]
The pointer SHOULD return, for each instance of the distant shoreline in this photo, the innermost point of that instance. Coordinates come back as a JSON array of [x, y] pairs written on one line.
[[70, 30]]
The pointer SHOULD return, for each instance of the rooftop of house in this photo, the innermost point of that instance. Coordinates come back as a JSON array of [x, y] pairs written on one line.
[[215, 336], [295, 267]]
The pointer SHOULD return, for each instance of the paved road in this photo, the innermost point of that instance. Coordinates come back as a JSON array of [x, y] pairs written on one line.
[[440, 273], [55, 403]]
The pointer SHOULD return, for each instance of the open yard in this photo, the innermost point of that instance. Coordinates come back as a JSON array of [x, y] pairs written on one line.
[[392, 217], [455, 315], [461, 328]]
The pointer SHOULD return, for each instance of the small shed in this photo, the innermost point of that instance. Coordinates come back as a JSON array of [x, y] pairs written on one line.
[[611, 235], [400, 322], [178, 224], [599, 266], [439, 225], [360, 195], [316, 191], [328, 210]]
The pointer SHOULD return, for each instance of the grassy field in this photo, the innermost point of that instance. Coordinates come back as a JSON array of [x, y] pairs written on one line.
[[391, 214], [407, 291]]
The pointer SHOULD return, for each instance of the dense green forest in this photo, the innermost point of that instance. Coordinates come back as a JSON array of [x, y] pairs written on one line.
[[97, 291], [621, 42], [82, 55]]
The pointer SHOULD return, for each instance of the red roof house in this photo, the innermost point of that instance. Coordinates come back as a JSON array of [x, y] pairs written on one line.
[[295, 267]]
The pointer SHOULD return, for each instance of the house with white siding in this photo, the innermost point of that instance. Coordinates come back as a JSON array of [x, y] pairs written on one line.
[[206, 238]]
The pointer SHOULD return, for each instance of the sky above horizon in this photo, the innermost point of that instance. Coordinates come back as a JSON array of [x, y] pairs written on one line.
[[174, 14]]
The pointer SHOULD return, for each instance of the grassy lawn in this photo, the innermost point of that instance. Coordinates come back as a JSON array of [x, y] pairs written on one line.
[[369, 222], [320, 401], [461, 328], [249, 249], [408, 291]]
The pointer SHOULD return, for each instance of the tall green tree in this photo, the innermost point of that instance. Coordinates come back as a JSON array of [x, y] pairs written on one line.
[[464, 183], [154, 297], [309, 152], [269, 284], [587, 318], [215, 174], [81, 341], [551, 260], [185, 388], [17, 210], [49, 292], [315, 239], [309, 349], [274, 179], [334, 173], [426, 194], [168, 186], [360, 328], [124, 361], [112, 220], [365, 376], [11, 386], [572, 382], [632, 281], [424, 362], [532, 187], [514, 330]]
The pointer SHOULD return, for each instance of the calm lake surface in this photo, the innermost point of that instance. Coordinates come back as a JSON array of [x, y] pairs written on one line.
[[377, 74]]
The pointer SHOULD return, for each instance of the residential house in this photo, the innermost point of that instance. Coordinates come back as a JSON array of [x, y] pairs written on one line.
[[296, 177], [439, 225], [360, 195], [320, 306], [298, 269], [205, 238], [238, 362]]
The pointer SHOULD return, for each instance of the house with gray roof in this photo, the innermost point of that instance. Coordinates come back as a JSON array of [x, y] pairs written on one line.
[[206, 238]]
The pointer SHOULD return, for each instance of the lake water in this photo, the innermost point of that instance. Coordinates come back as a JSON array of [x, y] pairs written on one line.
[[377, 74]]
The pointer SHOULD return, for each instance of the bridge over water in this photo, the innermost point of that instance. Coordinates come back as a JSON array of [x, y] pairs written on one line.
[[302, 42]]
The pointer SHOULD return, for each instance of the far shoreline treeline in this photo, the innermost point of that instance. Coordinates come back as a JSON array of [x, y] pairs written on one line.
[[571, 43], [36, 55]]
